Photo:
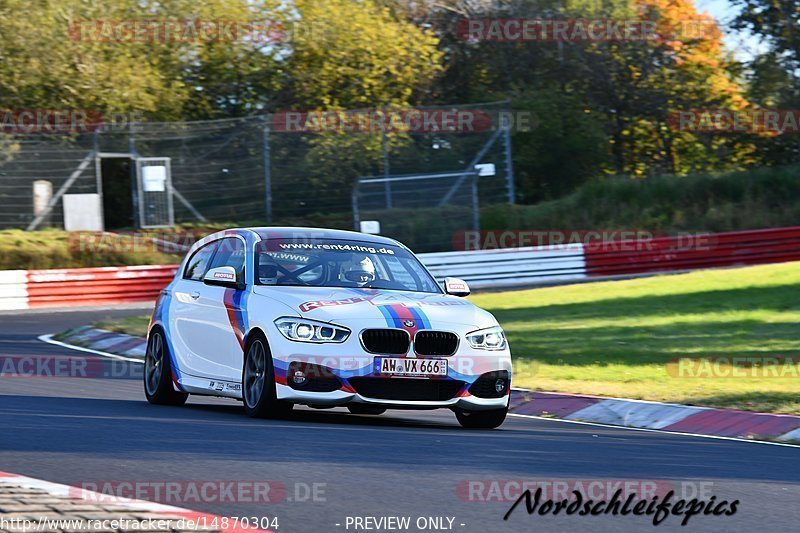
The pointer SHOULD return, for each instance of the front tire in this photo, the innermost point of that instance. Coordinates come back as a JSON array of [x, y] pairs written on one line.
[[158, 387], [482, 419], [258, 382]]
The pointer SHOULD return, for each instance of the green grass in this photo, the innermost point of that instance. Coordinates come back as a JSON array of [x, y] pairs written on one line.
[[615, 338], [59, 249], [132, 325]]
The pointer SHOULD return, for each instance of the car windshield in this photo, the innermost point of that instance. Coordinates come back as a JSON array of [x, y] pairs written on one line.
[[340, 263]]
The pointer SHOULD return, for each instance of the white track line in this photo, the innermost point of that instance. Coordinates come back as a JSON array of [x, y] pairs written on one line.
[[49, 340], [598, 424]]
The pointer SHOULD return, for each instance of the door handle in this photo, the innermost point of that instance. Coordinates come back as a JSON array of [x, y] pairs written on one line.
[[195, 295]]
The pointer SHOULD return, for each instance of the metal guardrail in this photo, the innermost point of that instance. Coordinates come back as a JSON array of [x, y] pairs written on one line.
[[509, 267], [694, 252], [527, 266], [28, 289], [24, 289]]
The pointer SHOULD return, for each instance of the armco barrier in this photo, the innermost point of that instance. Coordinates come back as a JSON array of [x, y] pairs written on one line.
[[526, 266], [28, 289], [694, 252], [510, 266], [25, 289]]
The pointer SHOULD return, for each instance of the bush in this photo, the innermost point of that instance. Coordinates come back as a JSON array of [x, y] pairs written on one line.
[[60, 249], [760, 198]]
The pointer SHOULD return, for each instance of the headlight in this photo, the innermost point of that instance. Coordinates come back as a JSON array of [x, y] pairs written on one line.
[[487, 339], [303, 330]]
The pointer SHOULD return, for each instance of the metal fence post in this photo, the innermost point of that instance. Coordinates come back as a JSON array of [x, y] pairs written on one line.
[[135, 182], [512, 195], [267, 173], [356, 214], [387, 187], [476, 208], [98, 174]]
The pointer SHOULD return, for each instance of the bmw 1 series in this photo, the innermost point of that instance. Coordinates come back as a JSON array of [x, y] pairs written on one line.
[[281, 316]]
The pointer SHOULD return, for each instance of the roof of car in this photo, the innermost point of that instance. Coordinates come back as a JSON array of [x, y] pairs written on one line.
[[319, 233]]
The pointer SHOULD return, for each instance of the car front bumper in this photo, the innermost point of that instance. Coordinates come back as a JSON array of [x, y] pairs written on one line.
[[342, 380], [340, 398]]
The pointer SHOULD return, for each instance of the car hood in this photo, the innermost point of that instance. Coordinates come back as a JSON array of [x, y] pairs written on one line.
[[330, 304]]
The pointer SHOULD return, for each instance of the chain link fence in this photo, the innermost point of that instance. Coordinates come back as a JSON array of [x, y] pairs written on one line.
[[421, 172]]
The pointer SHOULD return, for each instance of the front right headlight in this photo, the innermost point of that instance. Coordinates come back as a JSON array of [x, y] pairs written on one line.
[[488, 339]]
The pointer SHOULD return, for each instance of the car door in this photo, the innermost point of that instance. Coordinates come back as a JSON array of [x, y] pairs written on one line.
[[187, 316], [220, 316]]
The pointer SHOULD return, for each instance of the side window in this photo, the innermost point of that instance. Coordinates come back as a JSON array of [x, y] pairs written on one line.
[[230, 253], [197, 265], [423, 278], [400, 274]]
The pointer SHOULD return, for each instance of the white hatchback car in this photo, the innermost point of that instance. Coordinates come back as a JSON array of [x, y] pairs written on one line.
[[283, 316]]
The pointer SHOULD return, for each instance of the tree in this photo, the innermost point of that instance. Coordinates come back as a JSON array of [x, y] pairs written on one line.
[[773, 75], [777, 22], [355, 54], [45, 66], [71, 54], [627, 88]]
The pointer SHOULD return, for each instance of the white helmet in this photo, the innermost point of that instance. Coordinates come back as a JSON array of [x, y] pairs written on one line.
[[361, 271]]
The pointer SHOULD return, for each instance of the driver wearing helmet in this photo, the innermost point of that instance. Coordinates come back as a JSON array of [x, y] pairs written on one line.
[[360, 271]]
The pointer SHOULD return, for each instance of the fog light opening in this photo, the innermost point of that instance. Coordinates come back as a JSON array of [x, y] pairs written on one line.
[[299, 378], [500, 385]]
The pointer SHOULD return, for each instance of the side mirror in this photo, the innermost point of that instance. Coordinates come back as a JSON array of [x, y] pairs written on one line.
[[224, 276], [456, 287]]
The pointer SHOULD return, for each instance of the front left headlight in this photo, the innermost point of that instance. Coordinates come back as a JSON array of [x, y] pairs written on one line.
[[304, 330], [488, 339]]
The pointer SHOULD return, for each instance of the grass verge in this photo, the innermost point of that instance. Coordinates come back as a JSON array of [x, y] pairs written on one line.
[[132, 325], [626, 338], [53, 248]]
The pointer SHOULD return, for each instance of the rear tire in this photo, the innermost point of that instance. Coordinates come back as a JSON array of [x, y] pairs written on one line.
[[158, 387], [258, 382], [482, 419], [359, 409]]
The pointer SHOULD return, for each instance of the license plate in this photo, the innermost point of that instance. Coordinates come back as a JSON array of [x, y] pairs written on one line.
[[400, 366]]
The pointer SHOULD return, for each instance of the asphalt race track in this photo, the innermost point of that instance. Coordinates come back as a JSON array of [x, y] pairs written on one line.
[[71, 430]]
